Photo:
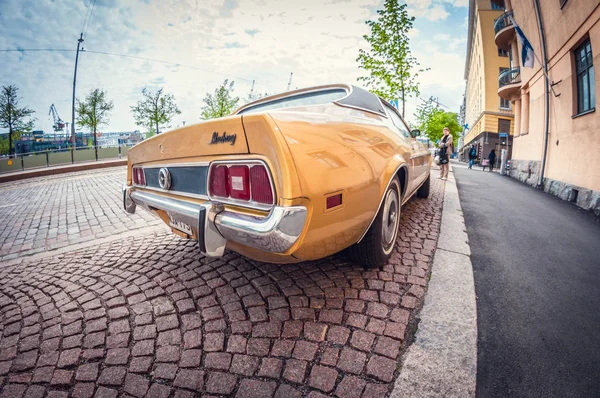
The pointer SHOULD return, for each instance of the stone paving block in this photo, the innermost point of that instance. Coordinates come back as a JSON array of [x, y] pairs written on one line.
[[350, 387], [322, 378], [220, 383], [294, 370], [112, 376], [135, 385], [351, 361], [244, 364], [256, 389], [270, 367], [286, 391], [305, 350], [191, 379]]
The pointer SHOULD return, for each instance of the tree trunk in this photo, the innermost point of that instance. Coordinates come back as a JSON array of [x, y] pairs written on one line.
[[10, 145], [95, 144], [403, 102]]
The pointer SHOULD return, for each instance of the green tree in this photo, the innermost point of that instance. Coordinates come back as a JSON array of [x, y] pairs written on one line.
[[16, 120], [94, 112], [437, 120], [156, 110], [393, 71], [221, 103]]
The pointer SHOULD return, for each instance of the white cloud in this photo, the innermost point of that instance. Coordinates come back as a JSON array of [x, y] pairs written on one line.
[[261, 40]]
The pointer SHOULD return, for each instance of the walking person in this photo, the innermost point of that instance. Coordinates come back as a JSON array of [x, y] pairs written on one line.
[[492, 159], [445, 148], [472, 156]]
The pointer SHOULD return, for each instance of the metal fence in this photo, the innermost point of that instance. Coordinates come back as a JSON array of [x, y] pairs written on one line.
[[32, 160]]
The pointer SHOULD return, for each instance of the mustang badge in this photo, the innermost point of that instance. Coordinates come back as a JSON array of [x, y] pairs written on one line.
[[221, 139], [164, 178]]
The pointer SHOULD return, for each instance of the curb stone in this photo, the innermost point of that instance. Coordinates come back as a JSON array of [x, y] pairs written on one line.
[[442, 361]]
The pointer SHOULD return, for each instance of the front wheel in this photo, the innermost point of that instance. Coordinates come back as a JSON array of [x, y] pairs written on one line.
[[376, 246], [423, 191]]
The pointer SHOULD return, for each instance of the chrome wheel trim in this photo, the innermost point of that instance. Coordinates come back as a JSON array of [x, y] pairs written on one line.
[[390, 220]]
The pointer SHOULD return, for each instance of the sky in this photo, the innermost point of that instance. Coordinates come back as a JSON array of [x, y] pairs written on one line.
[[203, 42]]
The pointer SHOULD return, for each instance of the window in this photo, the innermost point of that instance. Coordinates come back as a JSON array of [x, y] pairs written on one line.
[[497, 5], [302, 99], [502, 52], [396, 119], [504, 103], [586, 96], [504, 126]]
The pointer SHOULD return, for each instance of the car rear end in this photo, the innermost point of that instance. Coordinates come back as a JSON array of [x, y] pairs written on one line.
[[229, 182]]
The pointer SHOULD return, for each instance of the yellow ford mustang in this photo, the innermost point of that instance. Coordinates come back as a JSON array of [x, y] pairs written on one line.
[[292, 177]]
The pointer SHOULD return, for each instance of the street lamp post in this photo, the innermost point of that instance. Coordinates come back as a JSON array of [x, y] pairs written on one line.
[[73, 141]]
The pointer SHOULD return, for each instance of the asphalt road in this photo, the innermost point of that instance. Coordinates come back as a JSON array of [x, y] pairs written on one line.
[[536, 261]]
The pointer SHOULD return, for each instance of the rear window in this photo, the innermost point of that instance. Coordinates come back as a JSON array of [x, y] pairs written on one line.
[[302, 99]]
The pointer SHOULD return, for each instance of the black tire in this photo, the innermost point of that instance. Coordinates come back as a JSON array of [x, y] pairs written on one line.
[[377, 245], [423, 191]]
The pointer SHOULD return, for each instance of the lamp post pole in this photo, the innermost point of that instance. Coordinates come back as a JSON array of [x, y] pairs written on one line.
[[73, 140]]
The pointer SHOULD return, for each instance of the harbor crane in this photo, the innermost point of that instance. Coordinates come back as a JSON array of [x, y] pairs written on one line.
[[58, 125]]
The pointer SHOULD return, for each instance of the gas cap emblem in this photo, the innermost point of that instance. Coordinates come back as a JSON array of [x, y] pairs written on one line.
[[164, 178]]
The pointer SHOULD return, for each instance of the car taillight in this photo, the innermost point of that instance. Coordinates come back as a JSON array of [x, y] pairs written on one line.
[[218, 185], [261, 185], [239, 182], [138, 176], [249, 183]]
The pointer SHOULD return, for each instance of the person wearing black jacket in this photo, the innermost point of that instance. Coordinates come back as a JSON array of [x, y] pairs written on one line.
[[492, 159], [472, 156], [444, 151]]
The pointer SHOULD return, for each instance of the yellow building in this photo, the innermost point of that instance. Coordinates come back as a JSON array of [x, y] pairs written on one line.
[[487, 115], [557, 139]]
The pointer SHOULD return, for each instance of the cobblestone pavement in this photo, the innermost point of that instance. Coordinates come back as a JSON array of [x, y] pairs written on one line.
[[150, 316], [57, 211]]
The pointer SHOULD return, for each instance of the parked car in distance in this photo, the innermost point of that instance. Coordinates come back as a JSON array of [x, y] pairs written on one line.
[[292, 177]]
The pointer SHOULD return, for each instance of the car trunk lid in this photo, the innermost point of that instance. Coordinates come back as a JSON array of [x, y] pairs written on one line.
[[223, 136]]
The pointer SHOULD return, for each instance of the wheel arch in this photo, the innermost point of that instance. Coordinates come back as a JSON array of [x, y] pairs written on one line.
[[401, 172]]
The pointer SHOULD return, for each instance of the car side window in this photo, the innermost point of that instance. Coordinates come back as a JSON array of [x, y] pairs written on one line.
[[395, 118]]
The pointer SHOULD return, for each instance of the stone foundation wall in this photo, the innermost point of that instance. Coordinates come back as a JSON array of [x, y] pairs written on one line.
[[528, 171]]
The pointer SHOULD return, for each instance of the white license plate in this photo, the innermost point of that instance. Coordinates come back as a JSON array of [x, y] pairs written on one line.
[[183, 227]]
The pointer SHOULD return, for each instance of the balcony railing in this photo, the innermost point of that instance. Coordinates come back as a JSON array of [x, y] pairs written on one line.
[[509, 76], [503, 22]]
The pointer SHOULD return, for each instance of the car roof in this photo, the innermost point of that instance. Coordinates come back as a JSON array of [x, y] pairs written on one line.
[[356, 97]]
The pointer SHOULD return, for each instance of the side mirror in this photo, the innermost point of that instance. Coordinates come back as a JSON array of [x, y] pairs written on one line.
[[415, 133]]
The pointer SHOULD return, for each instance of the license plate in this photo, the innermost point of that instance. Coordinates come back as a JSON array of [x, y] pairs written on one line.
[[183, 227]]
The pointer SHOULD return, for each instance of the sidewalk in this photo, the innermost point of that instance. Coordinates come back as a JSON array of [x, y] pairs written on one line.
[[442, 360], [68, 168]]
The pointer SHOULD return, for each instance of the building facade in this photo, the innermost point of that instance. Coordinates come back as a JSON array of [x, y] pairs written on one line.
[[557, 135], [488, 117]]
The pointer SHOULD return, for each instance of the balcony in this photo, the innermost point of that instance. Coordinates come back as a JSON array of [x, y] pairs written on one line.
[[510, 83], [504, 30]]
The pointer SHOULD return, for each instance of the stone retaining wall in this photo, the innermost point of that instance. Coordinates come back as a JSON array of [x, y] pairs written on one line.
[[528, 171]]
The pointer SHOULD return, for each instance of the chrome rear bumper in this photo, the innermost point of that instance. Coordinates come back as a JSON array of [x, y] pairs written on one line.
[[214, 226]]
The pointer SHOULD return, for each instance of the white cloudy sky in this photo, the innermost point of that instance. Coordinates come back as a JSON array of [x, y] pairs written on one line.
[[242, 40]]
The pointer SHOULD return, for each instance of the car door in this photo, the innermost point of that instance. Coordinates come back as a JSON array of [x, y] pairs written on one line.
[[414, 164]]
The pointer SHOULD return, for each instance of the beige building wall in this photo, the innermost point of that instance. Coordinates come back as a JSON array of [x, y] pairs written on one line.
[[574, 140], [481, 73]]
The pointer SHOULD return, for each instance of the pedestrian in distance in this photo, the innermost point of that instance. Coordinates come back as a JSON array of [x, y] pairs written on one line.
[[445, 148], [492, 159], [472, 156]]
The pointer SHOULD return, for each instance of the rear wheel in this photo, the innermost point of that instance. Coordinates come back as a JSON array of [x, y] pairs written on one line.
[[423, 191], [378, 243]]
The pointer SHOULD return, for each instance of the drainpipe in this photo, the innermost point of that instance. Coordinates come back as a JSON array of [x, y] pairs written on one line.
[[547, 110]]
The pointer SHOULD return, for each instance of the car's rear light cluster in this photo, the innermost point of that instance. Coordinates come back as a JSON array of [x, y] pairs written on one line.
[[246, 183], [138, 176]]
